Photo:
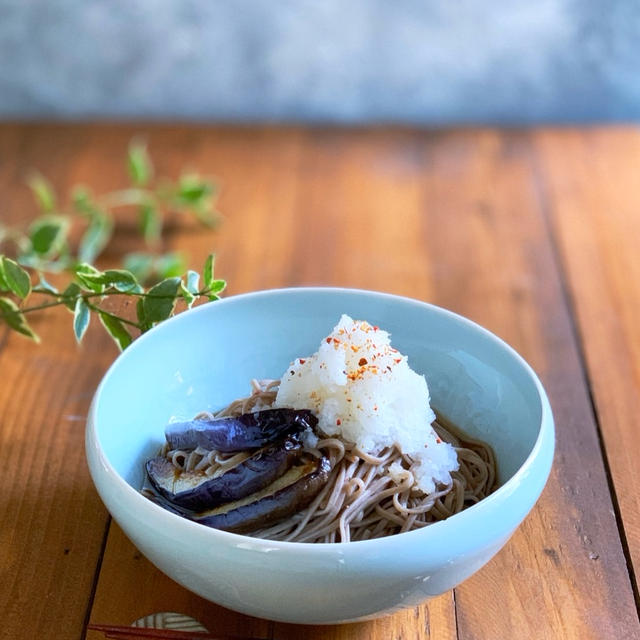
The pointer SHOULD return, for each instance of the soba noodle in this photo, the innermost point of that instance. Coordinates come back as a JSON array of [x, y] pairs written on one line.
[[366, 496]]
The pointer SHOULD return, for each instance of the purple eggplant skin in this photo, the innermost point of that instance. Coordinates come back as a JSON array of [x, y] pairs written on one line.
[[196, 491], [165, 504], [248, 431], [272, 504]]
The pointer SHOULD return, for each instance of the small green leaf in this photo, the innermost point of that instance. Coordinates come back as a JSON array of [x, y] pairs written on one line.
[[96, 237], [15, 278], [140, 264], [81, 318], [170, 265], [12, 315], [139, 163], [70, 295], [119, 279], [192, 188], [150, 223], [145, 325], [43, 284], [187, 296], [122, 280], [193, 282], [48, 234], [84, 268], [116, 329], [216, 287], [160, 300], [4, 286], [42, 192], [88, 276], [207, 272], [213, 286]]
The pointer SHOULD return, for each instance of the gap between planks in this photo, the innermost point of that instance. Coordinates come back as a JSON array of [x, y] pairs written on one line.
[[569, 300]]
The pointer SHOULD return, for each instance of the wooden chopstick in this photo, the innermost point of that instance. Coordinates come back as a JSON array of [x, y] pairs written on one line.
[[136, 633]]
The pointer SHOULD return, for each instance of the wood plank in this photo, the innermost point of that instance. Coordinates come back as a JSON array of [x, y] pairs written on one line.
[[53, 523], [591, 180], [499, 270]]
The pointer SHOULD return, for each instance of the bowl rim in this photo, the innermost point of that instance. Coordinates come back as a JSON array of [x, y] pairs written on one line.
[[544, 439]]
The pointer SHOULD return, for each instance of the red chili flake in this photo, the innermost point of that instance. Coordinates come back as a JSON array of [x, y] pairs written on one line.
[[375, 407], [375, 328], [438, 440], [396, 360], [329, 340], [302, 361], [338, 422], [362, 362]]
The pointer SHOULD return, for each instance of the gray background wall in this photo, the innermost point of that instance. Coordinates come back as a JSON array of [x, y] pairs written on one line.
[[431, 61]]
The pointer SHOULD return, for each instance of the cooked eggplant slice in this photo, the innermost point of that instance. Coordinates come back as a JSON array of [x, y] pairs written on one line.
[[289, 494], [248, 431], [197, 491], [161, 502]]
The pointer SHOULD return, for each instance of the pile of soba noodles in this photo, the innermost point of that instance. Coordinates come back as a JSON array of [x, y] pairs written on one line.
[[394, 465]]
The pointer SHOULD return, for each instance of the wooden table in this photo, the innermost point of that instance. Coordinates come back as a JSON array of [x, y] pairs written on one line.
[[533, 234]]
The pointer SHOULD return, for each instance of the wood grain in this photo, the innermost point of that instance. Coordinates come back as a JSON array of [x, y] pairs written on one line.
[[52, 522], [499, 270], [591, 181], [452, 218]]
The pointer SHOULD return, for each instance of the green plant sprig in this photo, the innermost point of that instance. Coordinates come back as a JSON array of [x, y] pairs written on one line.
[[46, 245], [91, 288]]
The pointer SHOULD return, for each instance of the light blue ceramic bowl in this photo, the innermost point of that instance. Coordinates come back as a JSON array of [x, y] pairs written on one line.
[[204, 358]]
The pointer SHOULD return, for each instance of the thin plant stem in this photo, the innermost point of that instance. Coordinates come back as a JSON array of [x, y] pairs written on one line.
[[60, 299], [94, 307], [116, 292], [46, 305]]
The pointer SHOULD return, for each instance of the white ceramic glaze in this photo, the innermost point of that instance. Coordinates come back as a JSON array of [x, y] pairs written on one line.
[[205, 357]]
